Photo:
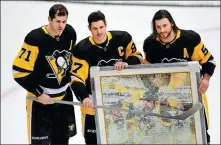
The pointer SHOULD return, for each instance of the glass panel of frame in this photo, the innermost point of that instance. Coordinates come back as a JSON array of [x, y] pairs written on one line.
[[166, 89]]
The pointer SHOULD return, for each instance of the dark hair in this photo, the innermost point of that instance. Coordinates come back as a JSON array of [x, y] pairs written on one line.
[[160, 15], [96, 16], [59, 10]]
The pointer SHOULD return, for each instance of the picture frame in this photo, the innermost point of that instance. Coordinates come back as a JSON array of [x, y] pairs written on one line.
[[164, 88]]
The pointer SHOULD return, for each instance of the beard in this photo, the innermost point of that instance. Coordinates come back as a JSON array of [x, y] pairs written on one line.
[[165, 35]]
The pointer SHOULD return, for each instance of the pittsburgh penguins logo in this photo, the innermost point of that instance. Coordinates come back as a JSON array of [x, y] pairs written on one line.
[[110, 62], [60, 62]]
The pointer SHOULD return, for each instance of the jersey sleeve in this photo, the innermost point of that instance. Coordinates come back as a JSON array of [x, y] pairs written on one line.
[[72, 34], [146, 45], [201, 54], [133, 56], [24, 64], [79, 73]]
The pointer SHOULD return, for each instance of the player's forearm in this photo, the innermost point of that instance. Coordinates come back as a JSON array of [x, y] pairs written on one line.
[[27, 80], [132, 60], [208, 68], [206, 76], [79, 90], [29, 84]]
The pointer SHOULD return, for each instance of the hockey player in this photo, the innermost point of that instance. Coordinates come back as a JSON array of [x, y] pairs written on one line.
[[103, 48], [168, 43], [42, 68]]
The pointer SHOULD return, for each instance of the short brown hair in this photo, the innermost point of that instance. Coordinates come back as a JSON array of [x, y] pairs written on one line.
[[96, 16], [58, 9]]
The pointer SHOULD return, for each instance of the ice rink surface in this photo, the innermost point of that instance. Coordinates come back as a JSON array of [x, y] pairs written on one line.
[[19, 18]]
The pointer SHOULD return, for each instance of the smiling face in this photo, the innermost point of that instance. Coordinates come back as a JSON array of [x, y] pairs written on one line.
[[164, 28], [98, 31]]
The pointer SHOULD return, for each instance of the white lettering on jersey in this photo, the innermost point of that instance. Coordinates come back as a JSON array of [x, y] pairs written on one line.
[[165, 60]]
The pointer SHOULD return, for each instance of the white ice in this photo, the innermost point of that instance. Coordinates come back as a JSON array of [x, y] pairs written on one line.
[[18, 18]]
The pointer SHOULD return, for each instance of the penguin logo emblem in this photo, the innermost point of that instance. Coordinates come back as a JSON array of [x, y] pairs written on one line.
[[59, 62]]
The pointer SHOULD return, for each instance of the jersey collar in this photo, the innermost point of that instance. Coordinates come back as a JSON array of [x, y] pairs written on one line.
[[177, 37], [109, 37]]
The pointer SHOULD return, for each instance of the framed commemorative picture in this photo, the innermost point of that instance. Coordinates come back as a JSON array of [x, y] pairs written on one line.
[[159, 99]]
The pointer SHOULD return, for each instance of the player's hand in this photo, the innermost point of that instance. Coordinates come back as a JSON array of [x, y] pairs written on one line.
[[119, 65], [204, 84], [45, 99], [88, 103]]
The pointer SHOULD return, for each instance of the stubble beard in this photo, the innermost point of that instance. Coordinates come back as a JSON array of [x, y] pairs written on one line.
[[168, 34]]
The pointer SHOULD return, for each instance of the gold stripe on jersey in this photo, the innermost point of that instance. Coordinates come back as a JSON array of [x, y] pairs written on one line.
[[71, 45], [54, 98], [26, 57], [89, 111], [205, 58], [140, 58], [80, 69], [20, 74], [185, 54], [76, 79], [198, 54], [109, 37], [45, 30], [177, 37], [213, 62], [129, 49], [29, 109], [145, 59], [91, 40], [205, 103], [82, 122], [29, 112]]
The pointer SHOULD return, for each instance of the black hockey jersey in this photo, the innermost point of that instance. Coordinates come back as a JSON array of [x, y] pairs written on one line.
[[187, 46], [119, 46], [43, 63]]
